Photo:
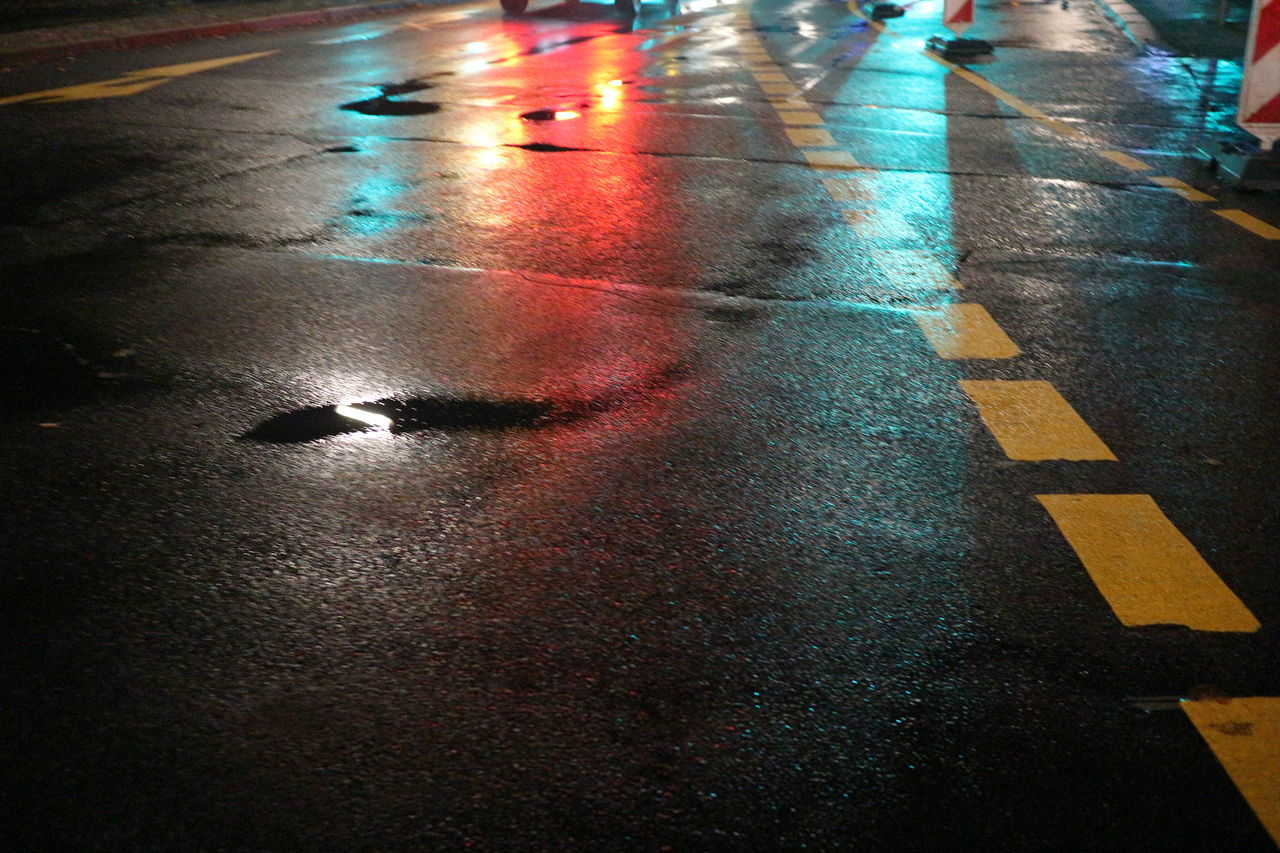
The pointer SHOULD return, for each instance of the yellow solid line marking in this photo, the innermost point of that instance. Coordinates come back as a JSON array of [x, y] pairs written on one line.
[[1032, 421], [831, 159], [1183, 189], [799, 118], [810, 137], [849, 190], [903, 266], [131, 83], [1123, 159], [770, 77], [1143, 566], [1244, 734], [965, 330], [1012, 100], [1253, 223]]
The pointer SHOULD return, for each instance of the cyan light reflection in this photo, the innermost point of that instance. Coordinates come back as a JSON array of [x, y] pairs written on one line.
[[374, 205]]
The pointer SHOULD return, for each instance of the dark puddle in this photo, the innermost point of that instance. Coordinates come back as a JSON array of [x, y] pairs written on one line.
[[450, 414], [389, 107], [547, 48], [547, 147], [550, 115], [414, 413], [386, 105], [390, 90]]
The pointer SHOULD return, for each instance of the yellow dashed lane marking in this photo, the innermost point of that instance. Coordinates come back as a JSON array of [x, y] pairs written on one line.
[[849, 190], [1182, 188], [1252, 223], [1244, 734], [1032, 421], [780, 89], [831, 159], [1145, 568], [800, 118], [131, 83], [965, 330], [1123, 159], [810, 137]]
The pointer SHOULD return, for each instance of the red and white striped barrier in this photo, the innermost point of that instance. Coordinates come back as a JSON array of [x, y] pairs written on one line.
[[1259, 111], [957, 15]]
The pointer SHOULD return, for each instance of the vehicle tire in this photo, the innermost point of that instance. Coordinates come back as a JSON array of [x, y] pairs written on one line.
[[630, 8], [514, 7]]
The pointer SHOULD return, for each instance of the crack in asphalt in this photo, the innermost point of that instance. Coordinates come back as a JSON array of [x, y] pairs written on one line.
[[201, 182]]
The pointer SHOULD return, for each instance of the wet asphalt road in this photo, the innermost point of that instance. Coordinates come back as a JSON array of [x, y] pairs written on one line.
[[684, 536]]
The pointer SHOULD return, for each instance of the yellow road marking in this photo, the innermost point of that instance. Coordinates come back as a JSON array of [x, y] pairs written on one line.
[[849, 190], [771, 76], [903, 266], [882, 226], [1244, 734], [1001, 95], [780, 89], [810, 137], [1143, 566], [1252, 223], [1239, 217], [965, 330], [800, 118], [1183, 189], [831, 159], [1032, 421], [1123, 159], [130, 84]]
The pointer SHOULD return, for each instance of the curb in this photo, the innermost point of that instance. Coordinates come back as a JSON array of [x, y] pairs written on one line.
[[1130, 22], [332, 14]]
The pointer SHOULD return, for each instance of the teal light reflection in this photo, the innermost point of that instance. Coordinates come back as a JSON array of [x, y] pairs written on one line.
[[373, 206]]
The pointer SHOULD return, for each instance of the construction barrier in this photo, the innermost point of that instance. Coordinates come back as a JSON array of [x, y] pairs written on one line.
[[957, 15], [1259, 111]]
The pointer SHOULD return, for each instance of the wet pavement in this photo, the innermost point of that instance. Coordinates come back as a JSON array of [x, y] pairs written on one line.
[[566, 432]]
